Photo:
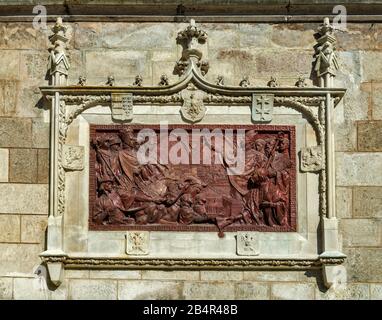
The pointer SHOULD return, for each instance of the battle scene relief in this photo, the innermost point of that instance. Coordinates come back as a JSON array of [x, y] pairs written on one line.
[[135, 183]]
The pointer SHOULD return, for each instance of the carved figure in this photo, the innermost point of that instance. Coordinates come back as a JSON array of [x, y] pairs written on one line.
[[154, 194]]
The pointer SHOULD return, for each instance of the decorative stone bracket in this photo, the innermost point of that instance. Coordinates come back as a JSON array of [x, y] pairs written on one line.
[[194, 94]]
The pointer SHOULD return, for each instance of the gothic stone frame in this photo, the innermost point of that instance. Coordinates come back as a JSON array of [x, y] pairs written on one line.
[[69, 103]]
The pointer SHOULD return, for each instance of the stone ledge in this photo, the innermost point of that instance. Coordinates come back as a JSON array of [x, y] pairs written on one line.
[[216, 9]]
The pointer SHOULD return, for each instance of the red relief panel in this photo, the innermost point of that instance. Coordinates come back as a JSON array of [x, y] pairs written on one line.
[[193, 178]]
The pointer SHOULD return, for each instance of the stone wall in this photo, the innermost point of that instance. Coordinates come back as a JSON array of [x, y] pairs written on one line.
[[125, 49]]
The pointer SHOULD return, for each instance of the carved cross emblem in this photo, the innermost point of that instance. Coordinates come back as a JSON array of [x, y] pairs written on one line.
[[262, 107]]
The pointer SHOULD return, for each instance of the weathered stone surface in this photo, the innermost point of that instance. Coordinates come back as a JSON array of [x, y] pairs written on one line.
[[43, 166], [33, 228], [33, 67], [363, 264], [9, 228], [221, 275], [170, 275], [29, 100], [92, 289], [367, 202], [357, 37], [9, 67], [352, 291], [292, 291], [357, 100], [251, 291], [358, 169], [344, 201], [6, 288], [376, 291], [23, 36], [221, 35], [87, 35], [19, 259], [100, 64], [150, 290], [276, 276], [371, 64], [24, 198], [145, 36], [209, 290], [273, 63], [40, 134], [77, 274], [4, 160], [256, 35], [377, 100], [361, 232], [8, 97], [23, 165], [345, 136], [115, 274], [294, 35], [369, 136], [30, 289], [15, 133]]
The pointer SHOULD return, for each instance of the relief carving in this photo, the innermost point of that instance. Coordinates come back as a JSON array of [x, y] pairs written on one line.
[[122, 106], [133, 195], [311, 159], [262, 107], [193, 108], [73, 158], [247, 244], [137, 242]]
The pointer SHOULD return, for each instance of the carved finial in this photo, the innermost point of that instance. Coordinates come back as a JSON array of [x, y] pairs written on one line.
[[325, 58], [110, 81], [138, 81], [81, 80], [301, 82], [272, 83], [326, 27], [245, 82], [58, 61], [163, 80], [190, 38], [220, 80]]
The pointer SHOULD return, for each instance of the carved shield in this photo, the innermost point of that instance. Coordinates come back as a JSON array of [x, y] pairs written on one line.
[[193, 108], [262, 107], [122, 106]]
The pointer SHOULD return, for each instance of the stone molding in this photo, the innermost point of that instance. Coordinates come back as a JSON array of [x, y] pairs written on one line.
[[315, 103]]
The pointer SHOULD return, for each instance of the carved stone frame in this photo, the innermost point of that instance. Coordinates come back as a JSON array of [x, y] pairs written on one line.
[[316, 104]]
